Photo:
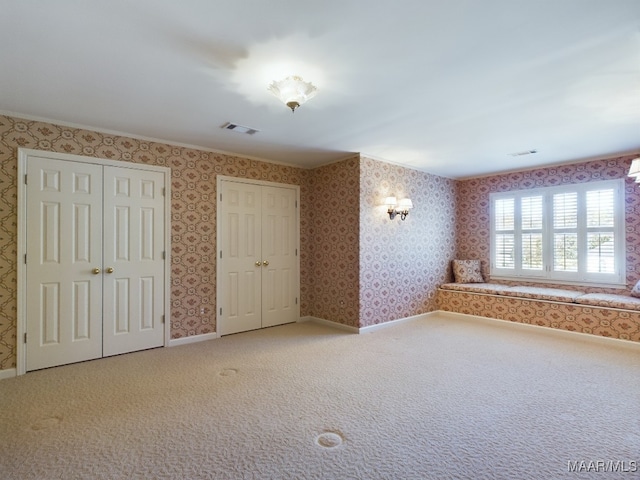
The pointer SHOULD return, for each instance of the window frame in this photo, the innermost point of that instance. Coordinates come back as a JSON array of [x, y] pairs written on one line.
[[617, 279]]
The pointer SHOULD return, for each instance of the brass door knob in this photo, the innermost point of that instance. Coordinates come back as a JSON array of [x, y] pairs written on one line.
[[258, 263], [110, 270], [95, 271], [265, 263]]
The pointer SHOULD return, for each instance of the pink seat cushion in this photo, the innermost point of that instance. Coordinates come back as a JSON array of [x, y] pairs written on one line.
[[610, 300], [541, 293], [490, 288]]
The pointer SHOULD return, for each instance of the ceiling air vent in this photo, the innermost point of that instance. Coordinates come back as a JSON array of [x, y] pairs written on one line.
[[239, 128], [520, 154]]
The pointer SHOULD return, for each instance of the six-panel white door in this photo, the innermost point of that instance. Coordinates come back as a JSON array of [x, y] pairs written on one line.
[[64, 249], [133, 260], [258, 246]]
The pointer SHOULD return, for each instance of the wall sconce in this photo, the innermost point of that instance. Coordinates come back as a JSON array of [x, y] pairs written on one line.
[[394, 208], [634, 171]]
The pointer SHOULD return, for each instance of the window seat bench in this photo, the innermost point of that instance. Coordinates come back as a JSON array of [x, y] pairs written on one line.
[[604, 314]]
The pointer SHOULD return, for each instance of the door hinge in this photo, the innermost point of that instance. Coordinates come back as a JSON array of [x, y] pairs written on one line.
[[25, 337], [220, 311], [220, 197], [296, 203], [296, 252], [164, 255], [25, 258], [296, 300], [162, 318], [25, 179], [164, 191], [220, 253]]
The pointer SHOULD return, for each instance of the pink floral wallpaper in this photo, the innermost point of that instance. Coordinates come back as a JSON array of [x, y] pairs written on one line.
[[358, 267], [332, 196], [342, 225], [402, 263], [193, 222], [472, 213], [366, 268]]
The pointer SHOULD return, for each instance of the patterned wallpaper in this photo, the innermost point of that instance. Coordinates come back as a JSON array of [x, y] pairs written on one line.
[[333, 234], [193, 223], [472, 213], [366, 268], [403, 262], [358, 267]]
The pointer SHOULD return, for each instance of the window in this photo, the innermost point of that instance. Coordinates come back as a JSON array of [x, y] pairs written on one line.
[[565, 234]]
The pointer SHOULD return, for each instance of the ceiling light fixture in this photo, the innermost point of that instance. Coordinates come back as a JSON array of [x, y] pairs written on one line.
[[293, 91]]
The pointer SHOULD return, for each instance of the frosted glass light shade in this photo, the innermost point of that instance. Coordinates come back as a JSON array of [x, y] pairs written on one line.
[[634, 171], [293, 91], [390, 202], [405, 204]]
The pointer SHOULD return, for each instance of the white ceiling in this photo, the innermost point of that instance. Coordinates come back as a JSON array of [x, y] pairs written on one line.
[[451, 87]]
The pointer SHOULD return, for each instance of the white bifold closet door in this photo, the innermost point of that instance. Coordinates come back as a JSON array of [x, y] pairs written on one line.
[[95, 267], [258, 269]]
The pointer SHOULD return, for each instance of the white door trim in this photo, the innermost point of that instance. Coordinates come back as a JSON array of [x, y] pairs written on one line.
[[220, 289], [23, 155]]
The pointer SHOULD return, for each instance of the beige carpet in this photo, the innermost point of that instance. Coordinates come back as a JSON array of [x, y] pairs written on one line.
[[429, 399]]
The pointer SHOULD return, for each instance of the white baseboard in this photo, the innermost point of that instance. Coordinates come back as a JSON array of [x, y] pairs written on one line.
[[368, 329], [192, 339], [328, 323], [8, 373], [558, 332], [393, 323]]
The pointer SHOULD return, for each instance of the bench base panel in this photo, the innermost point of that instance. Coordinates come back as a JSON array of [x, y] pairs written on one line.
[[605, 322]]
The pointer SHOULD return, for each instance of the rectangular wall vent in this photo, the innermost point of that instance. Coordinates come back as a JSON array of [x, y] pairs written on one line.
[[239, 128]]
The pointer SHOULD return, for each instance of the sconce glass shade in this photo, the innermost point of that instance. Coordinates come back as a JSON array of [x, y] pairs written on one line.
[[293, 91], [634, 171], [390, 202], [405, 204]]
